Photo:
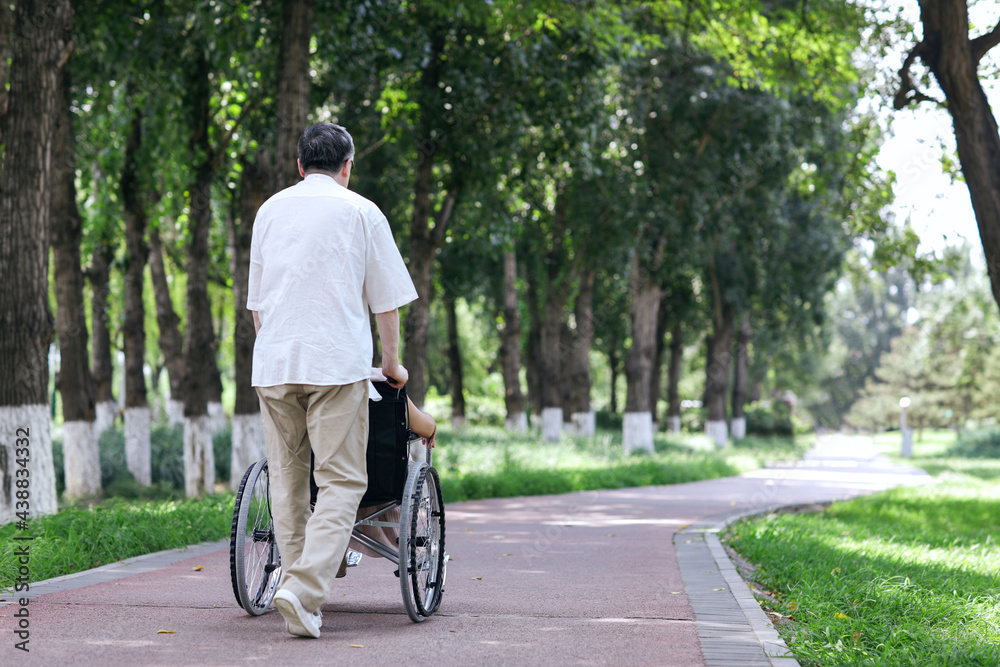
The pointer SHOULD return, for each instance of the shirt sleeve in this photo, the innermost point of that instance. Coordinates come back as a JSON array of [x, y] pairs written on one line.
[[256, 267], [387, 283]]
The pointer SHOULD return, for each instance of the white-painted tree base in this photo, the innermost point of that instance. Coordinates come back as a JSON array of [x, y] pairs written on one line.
[[458, 422], [104, 417], [674, 424], [217, 417], [517, 422], [175, 412], [739, 428], [199, 459], [552, 424], [81, 460], [637, 432], [138, 457], [585, 424], [26, 427], [248, 446], [718, 432]]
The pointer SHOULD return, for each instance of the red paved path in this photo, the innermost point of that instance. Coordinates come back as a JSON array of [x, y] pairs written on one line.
[[586, 578]]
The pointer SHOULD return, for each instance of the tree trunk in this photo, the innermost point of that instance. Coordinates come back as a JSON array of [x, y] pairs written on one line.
[[106, 408], [76, 385], [424, 239], [4, 55], [171, 341], [741, 374], [613, 363], [646, 296], [247, 434], [716, 374], [510, 348], [656, 376], [137, 419], [674, 378], [565, 349], [199, 337], [550, 368], [577, 375], [953, 58], [293, 91], [553, 316], [376, 343], [455, 364], [216, 413], [26, 189], [533, 363], [758, 372], [422, 244]]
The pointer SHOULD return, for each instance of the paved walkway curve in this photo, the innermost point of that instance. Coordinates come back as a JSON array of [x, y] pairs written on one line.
[[626, 577]]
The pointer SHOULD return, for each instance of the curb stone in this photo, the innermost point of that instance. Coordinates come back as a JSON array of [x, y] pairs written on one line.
[[112, 571], [732, 626]]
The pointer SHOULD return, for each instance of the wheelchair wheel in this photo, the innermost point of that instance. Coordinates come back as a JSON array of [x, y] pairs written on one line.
[[421, 543], [254, 562]]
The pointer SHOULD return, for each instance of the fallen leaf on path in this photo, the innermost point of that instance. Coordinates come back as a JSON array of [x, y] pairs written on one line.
[[477, 578], [718, 589], [166, 632], [357, 645], [198, 568], [793, 605]]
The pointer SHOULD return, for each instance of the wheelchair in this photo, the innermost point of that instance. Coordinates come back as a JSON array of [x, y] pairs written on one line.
[[400, 476]]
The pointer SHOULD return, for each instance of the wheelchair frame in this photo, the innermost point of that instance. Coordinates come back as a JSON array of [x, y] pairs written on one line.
[[255, 564]]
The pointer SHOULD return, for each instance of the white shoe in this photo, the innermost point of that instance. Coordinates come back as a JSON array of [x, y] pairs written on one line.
[[298, 621]]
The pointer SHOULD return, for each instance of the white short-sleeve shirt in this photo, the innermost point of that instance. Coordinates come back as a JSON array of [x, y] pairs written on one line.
[[320, 258]]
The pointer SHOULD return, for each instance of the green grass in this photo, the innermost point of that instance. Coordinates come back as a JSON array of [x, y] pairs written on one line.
[[79, 538], [486, 462], [904, 577]]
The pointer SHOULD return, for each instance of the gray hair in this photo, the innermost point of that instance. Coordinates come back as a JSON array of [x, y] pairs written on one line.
[[326, 147]]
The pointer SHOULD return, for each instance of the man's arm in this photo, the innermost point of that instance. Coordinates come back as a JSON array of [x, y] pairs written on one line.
[[256, 321], [388, 334]]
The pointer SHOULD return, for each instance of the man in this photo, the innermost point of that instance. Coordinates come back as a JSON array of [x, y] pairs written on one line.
[[320, 258]]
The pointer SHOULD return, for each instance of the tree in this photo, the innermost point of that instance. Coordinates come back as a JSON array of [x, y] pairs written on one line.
[[954, 59], [76, 385], [138, 421], [40, 47], [510, 348]]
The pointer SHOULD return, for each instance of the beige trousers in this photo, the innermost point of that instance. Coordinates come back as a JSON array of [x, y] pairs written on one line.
[[333, 420]]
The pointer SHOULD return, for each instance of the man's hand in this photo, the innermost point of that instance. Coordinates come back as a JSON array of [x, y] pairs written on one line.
[[396, 375]]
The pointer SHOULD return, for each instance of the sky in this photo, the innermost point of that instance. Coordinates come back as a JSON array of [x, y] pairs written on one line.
[[939, 210]]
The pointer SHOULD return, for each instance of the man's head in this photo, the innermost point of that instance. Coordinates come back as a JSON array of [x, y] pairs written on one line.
[[325, 147]]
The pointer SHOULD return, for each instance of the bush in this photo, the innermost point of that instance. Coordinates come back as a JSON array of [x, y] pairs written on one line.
[[222, 449], [769, 419], [983, 443], [608, 421], [166, 458], [693, 420], [167, 444]]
